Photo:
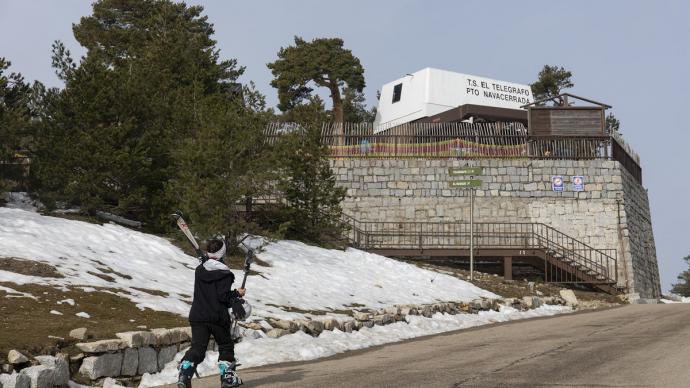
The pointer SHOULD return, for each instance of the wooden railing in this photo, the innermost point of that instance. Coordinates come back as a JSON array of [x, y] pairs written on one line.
[[462, 141]]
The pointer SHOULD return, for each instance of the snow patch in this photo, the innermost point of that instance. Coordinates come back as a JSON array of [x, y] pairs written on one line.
[[83, 315], [55, 312], [12, 293], [67, 301]]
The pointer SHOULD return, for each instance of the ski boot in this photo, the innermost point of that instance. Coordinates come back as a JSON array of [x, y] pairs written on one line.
[[184, 379], [228, 376]]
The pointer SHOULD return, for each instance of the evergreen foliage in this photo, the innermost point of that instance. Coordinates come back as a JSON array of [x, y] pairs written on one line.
[[612, 124], [551, 82], [308, 186], [683, 286], [150, 79], [16, 113], [355, 108], [324, 62]]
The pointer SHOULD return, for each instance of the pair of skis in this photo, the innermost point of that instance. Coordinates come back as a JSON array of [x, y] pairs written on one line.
[[201, 255]]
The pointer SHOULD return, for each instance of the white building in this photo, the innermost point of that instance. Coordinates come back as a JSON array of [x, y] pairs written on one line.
[[429, 92]]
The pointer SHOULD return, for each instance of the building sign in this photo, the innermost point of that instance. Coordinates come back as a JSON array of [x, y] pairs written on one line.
[[465, 171], [489, 90], [557, 183], [578, 183]]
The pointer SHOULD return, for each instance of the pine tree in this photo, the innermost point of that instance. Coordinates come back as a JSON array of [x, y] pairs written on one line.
[[108, 139], [16, 113], [683, 286], [355, 109], [324, 62], [305, 181], [551, 82]]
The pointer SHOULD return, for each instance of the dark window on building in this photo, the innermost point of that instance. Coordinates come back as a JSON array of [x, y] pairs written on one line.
[[397, 91]]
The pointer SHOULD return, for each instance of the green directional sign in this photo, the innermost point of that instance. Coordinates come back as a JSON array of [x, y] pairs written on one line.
[[467, 183], [465, 171]]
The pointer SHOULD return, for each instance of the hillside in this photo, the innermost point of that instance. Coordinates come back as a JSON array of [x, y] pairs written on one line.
[[58, 274]]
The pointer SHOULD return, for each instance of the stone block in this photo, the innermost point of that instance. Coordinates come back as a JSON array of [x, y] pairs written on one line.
[[569, 297], [110, 382], [137, 339], [60, 365], [290, 326], [162, 336], [369, 324], [349, 326], [130, 362], [314, 327], [102, 346], [15, 380], [383, 319], [361, 315], [148, 361], [277, 333], [165, 355], [15, 358], [80, 334], [106, 365], [331, 324]]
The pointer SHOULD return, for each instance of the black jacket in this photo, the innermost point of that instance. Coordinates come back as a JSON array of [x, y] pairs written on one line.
[[213, 293]]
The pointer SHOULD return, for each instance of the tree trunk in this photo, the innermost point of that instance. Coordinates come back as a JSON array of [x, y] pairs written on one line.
[[338, 115]]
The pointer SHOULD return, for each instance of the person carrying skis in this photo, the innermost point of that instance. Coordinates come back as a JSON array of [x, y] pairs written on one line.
[[213, 295]]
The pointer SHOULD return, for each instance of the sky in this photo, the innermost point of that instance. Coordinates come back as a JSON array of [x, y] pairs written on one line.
[[632, 55]]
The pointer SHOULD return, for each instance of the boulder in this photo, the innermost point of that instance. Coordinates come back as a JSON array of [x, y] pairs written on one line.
[[277, 333], [60, 365], [180, 334], [569, 297], [356, 325], [15, 380], [148, 361], [289, 326], [527, 301], [408, 310], [109, 345], [162, 337], [14, 357], [256, 326], [6, 368], [252, 334], [331, 324], [80, 334], [361, 315], [349, 326], [137, 339], [369, 324], [392, 310], [165, 355], [314, 327], [41, 376], [106, 365], [130, 362], [427, 311], [384, 319]]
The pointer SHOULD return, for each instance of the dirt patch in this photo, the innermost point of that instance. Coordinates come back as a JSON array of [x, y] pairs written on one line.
[[29, 267], [102, 276], [152, 292], [516, 288], [112, 271], [28, 326]]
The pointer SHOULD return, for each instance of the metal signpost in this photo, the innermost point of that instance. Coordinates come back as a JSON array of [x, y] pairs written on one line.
[[470, 184]]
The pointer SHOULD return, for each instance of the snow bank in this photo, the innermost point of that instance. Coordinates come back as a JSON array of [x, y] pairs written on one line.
[[298, 276]]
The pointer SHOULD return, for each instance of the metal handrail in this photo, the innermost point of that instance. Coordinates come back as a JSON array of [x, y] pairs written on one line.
[[446, 235]]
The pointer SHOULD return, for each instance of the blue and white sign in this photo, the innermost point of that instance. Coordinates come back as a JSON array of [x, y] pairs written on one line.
[[557, 183], [578, 182]]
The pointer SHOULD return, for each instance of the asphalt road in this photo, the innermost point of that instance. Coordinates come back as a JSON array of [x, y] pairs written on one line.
[[631, 346]]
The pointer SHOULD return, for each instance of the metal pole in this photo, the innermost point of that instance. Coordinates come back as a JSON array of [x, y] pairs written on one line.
[[471, 234]]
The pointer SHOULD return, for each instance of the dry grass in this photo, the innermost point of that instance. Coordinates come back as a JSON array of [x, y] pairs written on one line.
[[27, 324]]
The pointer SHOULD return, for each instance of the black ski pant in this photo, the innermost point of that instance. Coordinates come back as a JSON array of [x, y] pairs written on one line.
[[201, 332]]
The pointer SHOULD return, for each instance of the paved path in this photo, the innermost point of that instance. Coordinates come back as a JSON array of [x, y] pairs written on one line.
[[632, 346]]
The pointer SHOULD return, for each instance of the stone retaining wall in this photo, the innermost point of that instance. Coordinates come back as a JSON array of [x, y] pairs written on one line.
[[515, 191], [134, 353]]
